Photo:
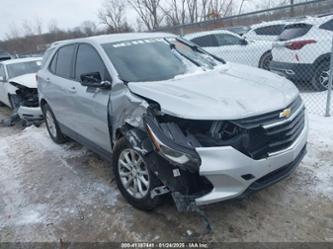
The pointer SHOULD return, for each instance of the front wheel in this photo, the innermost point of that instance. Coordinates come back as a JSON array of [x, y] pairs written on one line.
[[133, 176]]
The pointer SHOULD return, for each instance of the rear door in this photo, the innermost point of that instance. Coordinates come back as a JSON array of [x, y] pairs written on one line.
[[89, 105], [232, 50], [59, 84]]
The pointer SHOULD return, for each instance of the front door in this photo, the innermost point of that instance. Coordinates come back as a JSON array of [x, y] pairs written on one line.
[[89, 105]]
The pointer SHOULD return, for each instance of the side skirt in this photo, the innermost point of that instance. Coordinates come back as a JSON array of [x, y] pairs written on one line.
[[107, 155]]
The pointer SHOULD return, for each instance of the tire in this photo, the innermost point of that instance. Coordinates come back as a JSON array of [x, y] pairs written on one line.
[[140, 200], [265, 61], [52, 125], [320, 77]]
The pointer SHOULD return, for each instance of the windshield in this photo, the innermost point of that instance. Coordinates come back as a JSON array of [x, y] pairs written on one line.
[[157, 59], [18, 69]]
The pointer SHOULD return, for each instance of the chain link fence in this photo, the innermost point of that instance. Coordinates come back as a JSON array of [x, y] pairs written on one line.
[[298, 48]]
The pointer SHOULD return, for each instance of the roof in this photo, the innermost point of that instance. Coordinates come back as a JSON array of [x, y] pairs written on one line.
[[314, 20], [264, 24], [103, 39], [211, 32], [13, 61]]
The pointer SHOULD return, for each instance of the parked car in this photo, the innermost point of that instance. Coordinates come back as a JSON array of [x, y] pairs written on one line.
[[302, 53], [5, 56], [173, 118], [265, 31], [18, 87], [232, 47], [239, 30]]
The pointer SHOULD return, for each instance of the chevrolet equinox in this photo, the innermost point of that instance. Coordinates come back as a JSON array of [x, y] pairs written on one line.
[[173, 118]]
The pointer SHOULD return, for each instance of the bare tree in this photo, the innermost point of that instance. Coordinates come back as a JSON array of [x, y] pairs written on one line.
[[192, 8], [53, 26], [113, 15], [38, 26], [149, 11], [88, 28], [175, 12], [219, 8], [13, 32]]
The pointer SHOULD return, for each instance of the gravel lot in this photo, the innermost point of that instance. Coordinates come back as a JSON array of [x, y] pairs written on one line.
[[50, 192]]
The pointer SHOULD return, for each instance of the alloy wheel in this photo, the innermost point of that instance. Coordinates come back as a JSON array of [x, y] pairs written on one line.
[[51, 123], [133, 173], [324, 78]]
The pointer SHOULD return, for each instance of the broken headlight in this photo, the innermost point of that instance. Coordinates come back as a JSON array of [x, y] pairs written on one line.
[[179, 155]]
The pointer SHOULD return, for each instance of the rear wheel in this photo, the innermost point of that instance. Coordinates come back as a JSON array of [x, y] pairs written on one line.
[[52, 125], [133, 176], [321, 76], [265, 61]]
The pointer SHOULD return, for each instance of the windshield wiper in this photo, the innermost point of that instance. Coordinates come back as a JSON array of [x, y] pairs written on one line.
[[198, 49], [173, 47]]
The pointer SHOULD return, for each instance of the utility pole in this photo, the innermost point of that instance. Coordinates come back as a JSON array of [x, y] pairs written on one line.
[[292, 13]]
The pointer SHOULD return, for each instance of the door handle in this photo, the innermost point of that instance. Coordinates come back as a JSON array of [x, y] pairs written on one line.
[[72, 90], [48, 80]]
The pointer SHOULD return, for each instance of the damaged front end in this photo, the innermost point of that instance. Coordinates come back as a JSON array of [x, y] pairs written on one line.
[[25, 104], [176, 162]]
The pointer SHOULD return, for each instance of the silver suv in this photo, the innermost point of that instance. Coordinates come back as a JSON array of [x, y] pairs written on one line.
[[173, 118]]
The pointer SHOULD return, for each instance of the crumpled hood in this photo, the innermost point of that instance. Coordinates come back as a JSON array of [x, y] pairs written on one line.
[[232, 91], [27, 80]]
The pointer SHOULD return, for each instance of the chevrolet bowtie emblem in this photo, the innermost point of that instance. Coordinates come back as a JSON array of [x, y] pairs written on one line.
[[285, 113]]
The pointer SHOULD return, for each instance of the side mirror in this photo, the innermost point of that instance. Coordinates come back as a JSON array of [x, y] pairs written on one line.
[[244, 42], [94, 80]]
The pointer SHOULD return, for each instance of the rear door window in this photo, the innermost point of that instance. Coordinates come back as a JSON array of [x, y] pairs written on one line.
[[206, 41], [64, 62], [227, 40], [293, 31]]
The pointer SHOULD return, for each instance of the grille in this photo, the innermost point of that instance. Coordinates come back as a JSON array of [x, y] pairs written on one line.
[[273, 133]]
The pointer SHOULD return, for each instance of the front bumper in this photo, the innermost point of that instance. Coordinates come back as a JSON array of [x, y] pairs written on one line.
[[30, 114], [297, 72], [234, 174]]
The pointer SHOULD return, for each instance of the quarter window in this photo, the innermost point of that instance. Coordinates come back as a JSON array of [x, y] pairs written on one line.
[[88, 61], [328, 25]]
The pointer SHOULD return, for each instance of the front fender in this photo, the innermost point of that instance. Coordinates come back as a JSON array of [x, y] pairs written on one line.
[[11, 90]]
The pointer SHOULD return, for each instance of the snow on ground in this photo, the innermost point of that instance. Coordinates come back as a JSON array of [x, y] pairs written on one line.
[[321, 142], [50, 191], [316, 102]]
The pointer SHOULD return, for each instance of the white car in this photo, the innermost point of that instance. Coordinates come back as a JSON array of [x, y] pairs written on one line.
[[232, 47], [18, 87], [265, 31], [302, 53]]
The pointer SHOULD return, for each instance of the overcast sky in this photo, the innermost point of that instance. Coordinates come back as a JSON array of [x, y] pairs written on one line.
[[67, 13], [71, 13]]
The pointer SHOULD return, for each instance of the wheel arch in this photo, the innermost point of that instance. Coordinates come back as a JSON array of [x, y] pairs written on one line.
[[263, 55], [321, 59]]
